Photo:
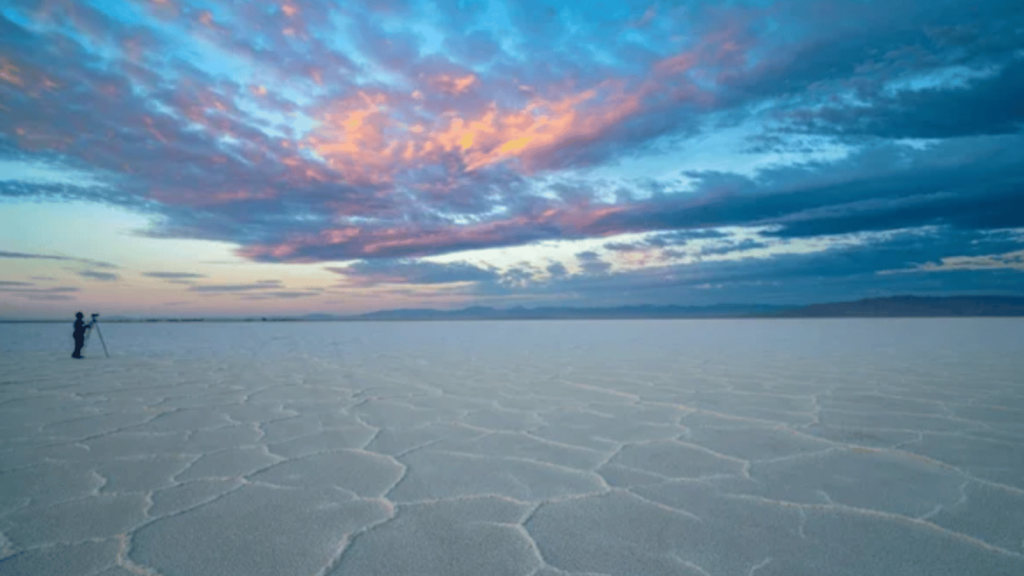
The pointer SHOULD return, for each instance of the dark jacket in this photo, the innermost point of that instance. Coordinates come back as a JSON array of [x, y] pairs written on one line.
[[79, 329]]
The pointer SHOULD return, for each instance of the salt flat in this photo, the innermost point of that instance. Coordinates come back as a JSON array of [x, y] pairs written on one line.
[[746, 447]]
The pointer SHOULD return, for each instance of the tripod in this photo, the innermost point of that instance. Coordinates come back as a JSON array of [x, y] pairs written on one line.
[[96, 324]]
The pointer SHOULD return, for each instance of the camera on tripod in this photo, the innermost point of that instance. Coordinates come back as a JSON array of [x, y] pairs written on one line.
[[95, 324]]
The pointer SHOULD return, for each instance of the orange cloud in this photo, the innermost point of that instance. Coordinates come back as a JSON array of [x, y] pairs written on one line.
[[453, 85], [10, 73], [352, 141], [361, 138]]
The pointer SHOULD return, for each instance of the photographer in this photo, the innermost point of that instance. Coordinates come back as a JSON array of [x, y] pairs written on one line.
[[79, 334]]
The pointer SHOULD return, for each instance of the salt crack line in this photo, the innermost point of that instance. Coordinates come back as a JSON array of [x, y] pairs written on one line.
[[349, 540], [466, 498], [836, 507], [689, 564], [756, 567], [335, 559], [541, 463], [124, 547], [800, 455], [665, 507]]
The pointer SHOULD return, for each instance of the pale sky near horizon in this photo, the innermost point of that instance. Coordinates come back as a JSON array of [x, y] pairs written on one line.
[[190, 157]]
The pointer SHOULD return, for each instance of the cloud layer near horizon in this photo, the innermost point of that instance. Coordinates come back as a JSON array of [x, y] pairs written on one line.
[[387, 132]]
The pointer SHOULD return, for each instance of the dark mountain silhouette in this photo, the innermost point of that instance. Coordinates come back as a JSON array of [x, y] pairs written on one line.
[[567, 313], [888, 307], [894, 306], [911, 306]]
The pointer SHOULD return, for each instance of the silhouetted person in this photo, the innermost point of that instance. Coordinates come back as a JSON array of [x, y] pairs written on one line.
[[79, 334]]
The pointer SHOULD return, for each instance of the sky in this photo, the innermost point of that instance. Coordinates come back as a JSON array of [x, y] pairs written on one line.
[[183, 158]]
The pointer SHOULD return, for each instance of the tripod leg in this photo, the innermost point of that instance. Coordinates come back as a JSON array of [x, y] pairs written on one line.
[[100, 334]]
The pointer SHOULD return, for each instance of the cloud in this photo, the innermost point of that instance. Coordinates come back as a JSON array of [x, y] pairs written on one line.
[[557, 270], [283, 294], [174, 275], [591, 263], [32, 293], [666, 239], [1009, 261], [46, 297], [990, 105], [184, 278], [51, 289], [848, 267], [730, 247], [886, 186], [23, 255], [368, 273], [12, 283], [97, 275], [228, 288]]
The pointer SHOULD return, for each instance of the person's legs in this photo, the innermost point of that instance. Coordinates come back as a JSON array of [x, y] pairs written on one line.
[[79, 342]]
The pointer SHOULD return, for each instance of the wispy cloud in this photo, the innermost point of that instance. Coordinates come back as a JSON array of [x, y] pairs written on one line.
[[97, 275], [174, 275], [227, 288], [34, 293], [26, 256], [373, 272], [283, 295], [1008, 261]]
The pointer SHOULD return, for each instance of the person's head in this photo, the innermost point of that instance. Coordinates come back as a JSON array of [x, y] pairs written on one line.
[[78, 315]]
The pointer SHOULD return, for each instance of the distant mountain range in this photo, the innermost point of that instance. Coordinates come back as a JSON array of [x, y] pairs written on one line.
[[889, 307], [912, 306], [568, 313], [895, 306]]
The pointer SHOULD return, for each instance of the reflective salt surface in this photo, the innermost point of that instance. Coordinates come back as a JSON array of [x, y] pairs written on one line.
[[716, 448]]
